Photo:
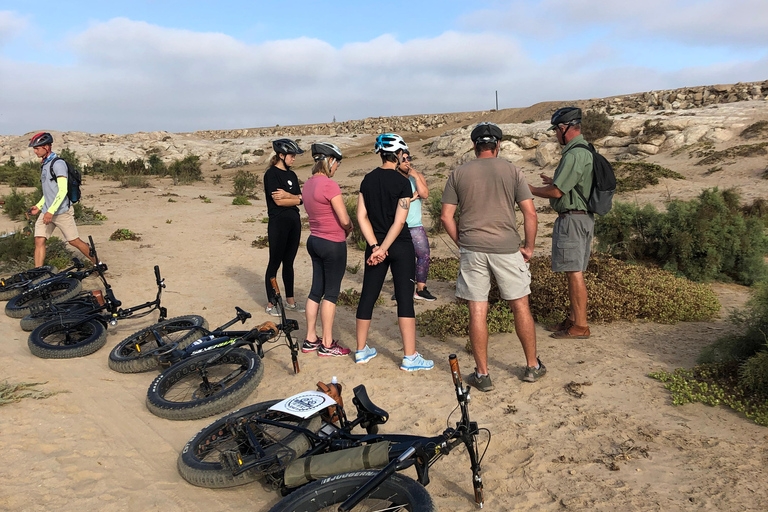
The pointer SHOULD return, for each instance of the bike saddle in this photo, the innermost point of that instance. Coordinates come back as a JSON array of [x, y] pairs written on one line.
[[364, 405]]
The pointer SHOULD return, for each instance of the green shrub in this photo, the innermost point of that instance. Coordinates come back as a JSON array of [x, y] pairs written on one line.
[[260, 243], [17, 203], [350, 297], [244, 183], [595, 125], [24, 175], [87, 215], [134, 181], [216, 179], [443, 269], [356, 237], [756, 130], [528, 121], [186, 171], [638, 175], [439, 165], [651, 127], [453, 320], [743, 151], [704, 239], [156, 165], [124, 234], [241, 201], [17, 252], [758, 208]]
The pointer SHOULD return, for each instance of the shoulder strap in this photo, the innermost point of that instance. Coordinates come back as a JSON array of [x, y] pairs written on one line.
[[53, 175], [592, 150]]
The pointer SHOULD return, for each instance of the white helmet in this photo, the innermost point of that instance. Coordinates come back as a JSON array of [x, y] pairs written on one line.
[[389, 143]]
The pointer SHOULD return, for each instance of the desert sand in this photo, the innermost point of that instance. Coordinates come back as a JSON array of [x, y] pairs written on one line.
[[621, 445]]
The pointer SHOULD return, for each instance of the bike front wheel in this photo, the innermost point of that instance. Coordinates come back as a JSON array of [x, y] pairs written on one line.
[[396, 493], [56, 291], [67, 338], [17, 283], [197, 387], [204, 461], [136, 353]]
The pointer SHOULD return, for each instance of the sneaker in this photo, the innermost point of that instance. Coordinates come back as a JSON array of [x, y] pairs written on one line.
[[532, 374], [365, 355], [415, 364], [394, 297], [294, 307], [480, 382], [335, 350], [424, 295], [272, 310], [311, 346]]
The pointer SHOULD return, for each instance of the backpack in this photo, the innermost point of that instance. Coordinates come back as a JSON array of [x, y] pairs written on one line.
[[74, 180], [603, 183]]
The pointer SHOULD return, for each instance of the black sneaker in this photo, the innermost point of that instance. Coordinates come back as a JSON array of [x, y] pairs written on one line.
[[532, 374], [424, 295], [483, 383]]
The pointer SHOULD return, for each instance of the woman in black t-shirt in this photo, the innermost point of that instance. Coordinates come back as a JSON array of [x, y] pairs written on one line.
[[382, 207], [283, 195]]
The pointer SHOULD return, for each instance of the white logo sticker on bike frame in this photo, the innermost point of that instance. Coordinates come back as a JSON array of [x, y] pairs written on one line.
[[304, 404]]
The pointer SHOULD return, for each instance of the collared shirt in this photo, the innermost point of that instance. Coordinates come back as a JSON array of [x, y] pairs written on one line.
[[51, 187], [573, 177]]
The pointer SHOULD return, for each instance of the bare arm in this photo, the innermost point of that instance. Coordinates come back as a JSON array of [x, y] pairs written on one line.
[[549, 190], [421, 184], [401, 214], [446, 216], [364, 222], [337, 203], [530, 226]]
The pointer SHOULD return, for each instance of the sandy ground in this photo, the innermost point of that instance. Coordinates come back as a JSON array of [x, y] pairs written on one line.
[[620, 446]]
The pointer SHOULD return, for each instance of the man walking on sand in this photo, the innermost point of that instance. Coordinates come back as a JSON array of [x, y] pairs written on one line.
[[485, 191], [55, 206], [575, 226]]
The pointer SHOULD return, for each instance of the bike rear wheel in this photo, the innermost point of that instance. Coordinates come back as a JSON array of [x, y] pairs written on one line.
[[67, 338], [38, 318], [204, 460], [56, 291], [135, 353], [195, 388], [14, 285], [396, 493]]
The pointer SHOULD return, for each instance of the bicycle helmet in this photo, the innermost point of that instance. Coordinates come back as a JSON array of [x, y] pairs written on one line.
[[321, 150], [486, 132], [389, 143], [286, 147], [566, 115], [41, 139]]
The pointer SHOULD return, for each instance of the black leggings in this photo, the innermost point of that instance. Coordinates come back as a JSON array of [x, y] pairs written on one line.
[[402, 259], [283, 233], [329, 262]]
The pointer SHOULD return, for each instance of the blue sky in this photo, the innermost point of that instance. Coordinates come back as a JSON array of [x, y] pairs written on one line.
[[147, 65]]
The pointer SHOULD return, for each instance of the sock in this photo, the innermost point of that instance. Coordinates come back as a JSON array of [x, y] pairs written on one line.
[[411, 358]]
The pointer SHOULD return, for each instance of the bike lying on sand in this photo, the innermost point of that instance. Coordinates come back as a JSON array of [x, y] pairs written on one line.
[[12, 286], [58, 288], [287, 443], [84, 331]]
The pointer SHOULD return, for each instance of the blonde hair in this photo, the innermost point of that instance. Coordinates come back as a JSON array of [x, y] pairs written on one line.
[[274, 160], [321, 167]]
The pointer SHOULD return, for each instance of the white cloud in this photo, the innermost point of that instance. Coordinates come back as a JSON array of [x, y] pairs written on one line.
[[11, 25], [133, 76]]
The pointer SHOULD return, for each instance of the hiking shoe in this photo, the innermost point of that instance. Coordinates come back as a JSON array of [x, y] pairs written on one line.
[[574, 332], [532, 374], [272, 310], [335, 350], [424, 295], [480, 382], [311, 346], [565, 324], [294, 307], [365, 355], [416, 364]]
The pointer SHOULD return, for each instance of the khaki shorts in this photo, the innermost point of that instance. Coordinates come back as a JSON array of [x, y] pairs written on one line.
[[64, 221], [572, 242], [512, 273]]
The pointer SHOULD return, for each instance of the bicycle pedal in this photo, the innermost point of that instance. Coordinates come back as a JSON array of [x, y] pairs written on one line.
[[230, 459]]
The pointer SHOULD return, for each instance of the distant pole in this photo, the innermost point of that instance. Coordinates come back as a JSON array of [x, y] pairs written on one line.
[[497, 100]]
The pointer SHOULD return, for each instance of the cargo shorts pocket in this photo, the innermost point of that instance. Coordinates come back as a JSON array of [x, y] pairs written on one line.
[[567, 252]]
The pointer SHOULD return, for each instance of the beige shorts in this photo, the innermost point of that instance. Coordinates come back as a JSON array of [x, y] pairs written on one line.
[[512, 273], [64, 221]]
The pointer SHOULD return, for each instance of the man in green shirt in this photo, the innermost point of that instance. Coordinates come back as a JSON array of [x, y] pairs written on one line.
[[575, 226]]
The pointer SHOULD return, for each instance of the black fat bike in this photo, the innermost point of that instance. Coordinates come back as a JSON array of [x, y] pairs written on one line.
[[218, 371], [263, 441], [57, 288], [84, 331], [12, 286]]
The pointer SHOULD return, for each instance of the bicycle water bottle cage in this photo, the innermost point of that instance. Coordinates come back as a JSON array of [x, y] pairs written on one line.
[[377, 415]]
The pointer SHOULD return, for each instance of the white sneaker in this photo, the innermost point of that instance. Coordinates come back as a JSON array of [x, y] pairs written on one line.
[[272, 310], [365, 355], [416, 364], [294, 307]]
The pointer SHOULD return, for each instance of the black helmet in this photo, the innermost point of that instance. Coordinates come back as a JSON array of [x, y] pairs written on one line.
[[566, 115], [486, 132], [322, 150], [41, 139], [286, 147]]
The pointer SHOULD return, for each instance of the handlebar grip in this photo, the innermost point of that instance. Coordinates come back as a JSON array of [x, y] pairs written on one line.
[[455, 371], [157, 273], [273, 282]]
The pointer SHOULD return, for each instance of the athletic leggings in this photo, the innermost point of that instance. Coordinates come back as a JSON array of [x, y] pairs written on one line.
[[421, 246], [329, 262], [283, 233], [402, 260]]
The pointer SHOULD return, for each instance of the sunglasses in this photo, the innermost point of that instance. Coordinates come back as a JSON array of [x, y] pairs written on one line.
[[407, 159]]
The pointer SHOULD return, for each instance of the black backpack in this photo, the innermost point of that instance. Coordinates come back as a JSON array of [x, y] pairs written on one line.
[[603, 183], [74, 180]]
